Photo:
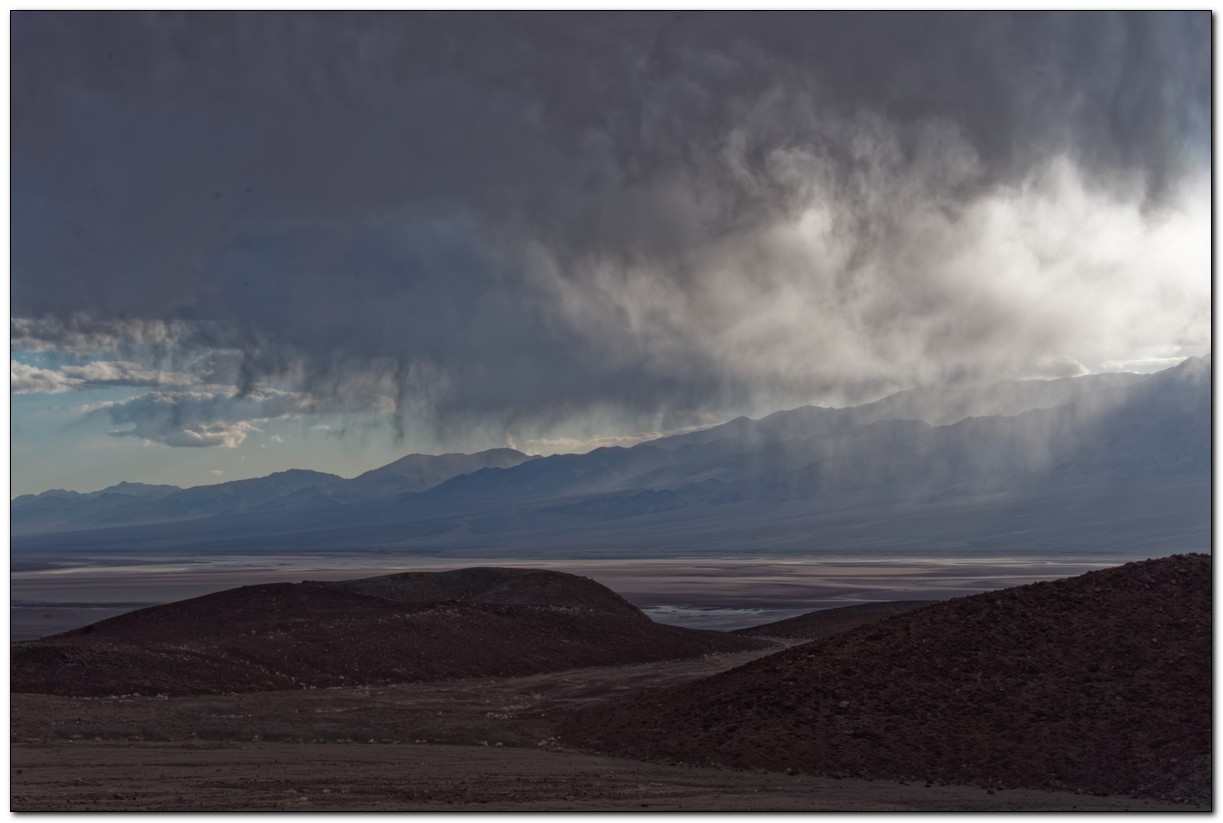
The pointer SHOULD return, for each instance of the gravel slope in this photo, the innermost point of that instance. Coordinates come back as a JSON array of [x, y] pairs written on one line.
[[1099, 683], [827, 622]]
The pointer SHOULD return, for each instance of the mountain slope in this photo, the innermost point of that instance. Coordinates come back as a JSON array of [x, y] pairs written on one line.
[[1097, 683], [412, 473], [801, 450], [935, 407], [113, 507], [59, 508], [827, 622], [286, 491], [417, 472]]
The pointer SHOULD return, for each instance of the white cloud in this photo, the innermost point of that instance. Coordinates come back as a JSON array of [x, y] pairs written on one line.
[[191, 435], [198, 419], [126, 373], [227, 435], [27, 379], [1034, 279]]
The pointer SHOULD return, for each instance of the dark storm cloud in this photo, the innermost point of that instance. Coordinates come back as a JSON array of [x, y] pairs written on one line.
[[524, 217]]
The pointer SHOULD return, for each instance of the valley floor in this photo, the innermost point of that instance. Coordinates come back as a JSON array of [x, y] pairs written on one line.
[[481, 744], [112, 776]]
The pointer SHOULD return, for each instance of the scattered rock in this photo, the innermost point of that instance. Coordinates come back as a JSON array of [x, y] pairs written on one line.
[[1054, 685]]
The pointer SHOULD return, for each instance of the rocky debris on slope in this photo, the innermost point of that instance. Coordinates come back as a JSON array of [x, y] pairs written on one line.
[[310, 635], [827, 622], [1099, 683]]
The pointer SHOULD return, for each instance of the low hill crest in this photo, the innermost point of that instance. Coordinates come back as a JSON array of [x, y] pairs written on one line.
[[499, 585], [274, 636]]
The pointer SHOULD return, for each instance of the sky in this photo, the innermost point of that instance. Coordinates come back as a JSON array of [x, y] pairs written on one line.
[[247, 242]]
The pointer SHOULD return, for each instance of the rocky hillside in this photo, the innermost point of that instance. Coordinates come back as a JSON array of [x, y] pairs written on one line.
[[827, 622], [502, 586], [1099, 683], [419, 627]]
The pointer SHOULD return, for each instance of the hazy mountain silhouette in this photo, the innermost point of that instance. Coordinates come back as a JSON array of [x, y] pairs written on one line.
[[1096, 463], [289, 490], [113, 505], [58, 507]]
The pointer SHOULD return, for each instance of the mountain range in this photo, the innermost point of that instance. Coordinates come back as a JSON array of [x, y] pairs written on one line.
[[1108, 462]]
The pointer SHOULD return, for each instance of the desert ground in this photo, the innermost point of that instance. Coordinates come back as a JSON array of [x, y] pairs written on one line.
[[481, 744]]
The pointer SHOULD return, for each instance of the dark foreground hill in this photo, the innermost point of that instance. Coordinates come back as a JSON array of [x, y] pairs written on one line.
[[1099, 683], [399, 628], [827, 622]]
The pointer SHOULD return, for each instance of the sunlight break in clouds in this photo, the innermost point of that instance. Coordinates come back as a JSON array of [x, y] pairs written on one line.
[[573, 228], [196, 419], [24, 378]]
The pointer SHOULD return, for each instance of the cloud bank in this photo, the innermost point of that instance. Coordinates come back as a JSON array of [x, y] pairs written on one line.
[[197, 418], [24, 378], [499, 223]]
